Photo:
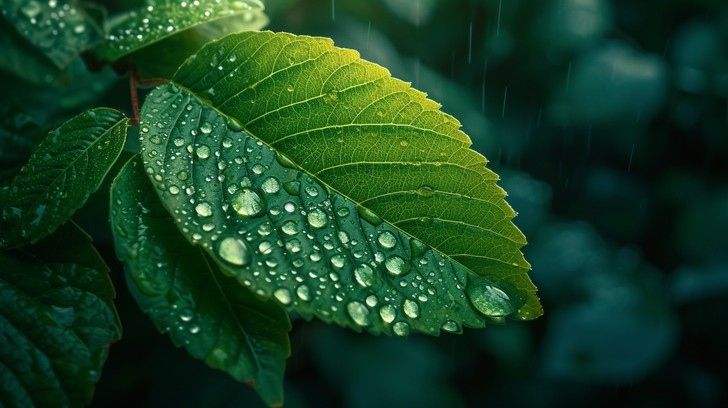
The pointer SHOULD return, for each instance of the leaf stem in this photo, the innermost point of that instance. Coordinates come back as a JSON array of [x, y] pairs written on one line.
[[133, 80]]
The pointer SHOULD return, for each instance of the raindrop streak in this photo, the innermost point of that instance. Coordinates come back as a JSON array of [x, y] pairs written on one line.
[[497, 25], [470, 44], [505, 98]]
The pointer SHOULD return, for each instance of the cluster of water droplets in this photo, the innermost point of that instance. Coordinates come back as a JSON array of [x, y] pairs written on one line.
[[283, 234], [57, 27], [160, 18]]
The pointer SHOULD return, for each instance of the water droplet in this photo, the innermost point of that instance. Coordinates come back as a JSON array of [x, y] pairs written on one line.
[[372, 300], [258, 169], [364, 275], [338, 261], [234, 251], [411, 309], [387, 240], [311, 191], [316, 218], [303, 293], [387, 313], [488, 299], [358, 313], [203, 152], [283, 295], [396, 266], [450, 326], [271, 185], [247, 203], [203, 209], [401, 329], [206, 128], [289, 228]]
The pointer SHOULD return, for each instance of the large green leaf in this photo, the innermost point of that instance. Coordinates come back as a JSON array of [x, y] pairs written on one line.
[[204, 311], [161, 34], [315, 177], [56, 321], [58, 28], [62, 172]]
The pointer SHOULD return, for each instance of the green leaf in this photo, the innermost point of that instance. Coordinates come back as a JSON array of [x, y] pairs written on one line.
[[315, 177], [56, 321], [18, 134], [58, 28], [184, 293], [62, 172], [159, 36], [22, 59]]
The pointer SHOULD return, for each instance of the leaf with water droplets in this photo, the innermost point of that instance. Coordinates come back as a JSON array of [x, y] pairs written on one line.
[[209, 314], [352, 196], [159, 36], [63, 170], [57, 28], [57, 319]]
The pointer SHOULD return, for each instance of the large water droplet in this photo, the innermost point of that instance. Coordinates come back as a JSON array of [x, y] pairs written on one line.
[[488, 299], [289, 228], [234, 251], [338, 261], [247, 203], [359, 313], [303, 293], [203, 152]]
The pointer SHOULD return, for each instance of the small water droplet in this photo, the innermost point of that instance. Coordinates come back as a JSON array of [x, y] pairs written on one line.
[[450, 326]]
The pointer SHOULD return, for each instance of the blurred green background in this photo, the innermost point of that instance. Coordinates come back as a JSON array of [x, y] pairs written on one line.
[[608, 122]]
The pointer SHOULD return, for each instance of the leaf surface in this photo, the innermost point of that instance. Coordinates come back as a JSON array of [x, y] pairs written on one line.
[[318, 179], [63, 170], [184, 293], [56, 321]]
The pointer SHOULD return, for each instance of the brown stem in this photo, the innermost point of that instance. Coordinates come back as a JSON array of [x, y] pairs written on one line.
[[133, 80]]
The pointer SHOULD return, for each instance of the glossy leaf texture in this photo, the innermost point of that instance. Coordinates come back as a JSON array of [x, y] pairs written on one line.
[[63, 170], [318, 179], [185, 294], [58, 28], [173, 30], [56, 321]]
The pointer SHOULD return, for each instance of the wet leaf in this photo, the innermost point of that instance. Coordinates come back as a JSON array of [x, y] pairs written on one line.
[[314, 177], [183, 292], [58, 28], [63, 170], [173, 30], [56, 321]]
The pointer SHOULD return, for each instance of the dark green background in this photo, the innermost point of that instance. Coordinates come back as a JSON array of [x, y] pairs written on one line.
[[608, 122]]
